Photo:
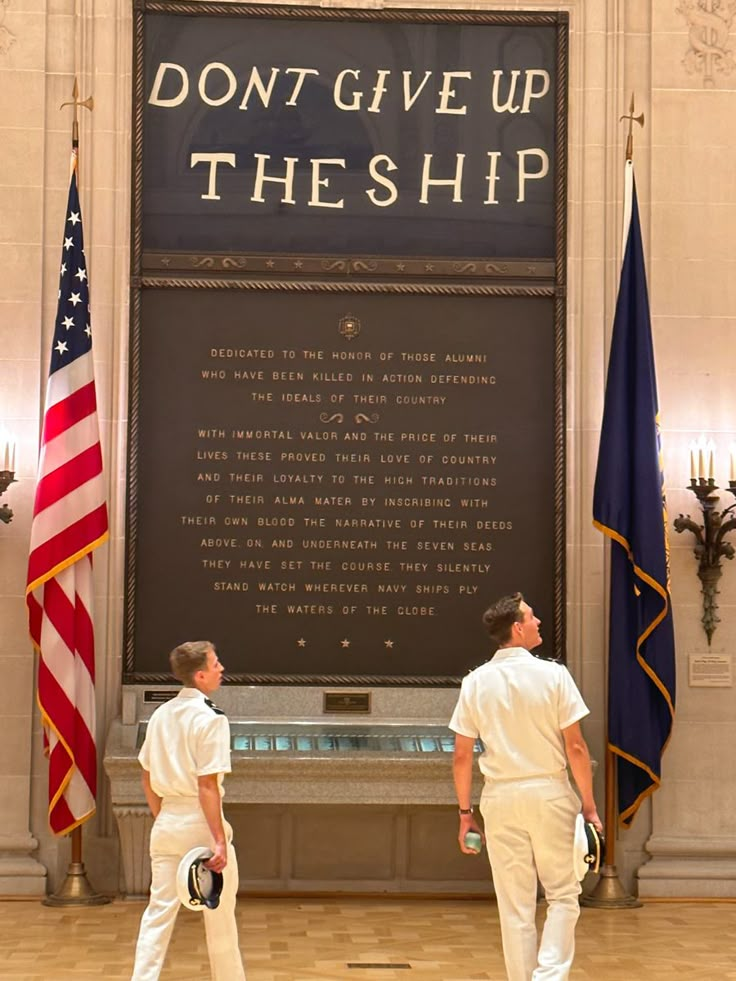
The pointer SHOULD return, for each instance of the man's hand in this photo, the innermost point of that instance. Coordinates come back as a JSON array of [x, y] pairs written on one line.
[[468, 823], [591, 814], [219, 859]]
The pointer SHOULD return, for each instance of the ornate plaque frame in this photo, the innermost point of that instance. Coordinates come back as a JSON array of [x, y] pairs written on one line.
[[358, 274]]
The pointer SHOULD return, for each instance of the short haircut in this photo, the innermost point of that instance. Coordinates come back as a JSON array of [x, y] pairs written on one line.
[[187, 659], [500, 617]]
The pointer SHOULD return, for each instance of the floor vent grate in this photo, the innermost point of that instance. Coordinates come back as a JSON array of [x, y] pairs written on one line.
[[379, 967]]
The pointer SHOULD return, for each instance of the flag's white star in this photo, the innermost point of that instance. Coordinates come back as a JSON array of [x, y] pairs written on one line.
[[75, 298], [61, 347], [81, 275], [68, 243], [74, 218], [63, 269], [88, 330], [68, 322]]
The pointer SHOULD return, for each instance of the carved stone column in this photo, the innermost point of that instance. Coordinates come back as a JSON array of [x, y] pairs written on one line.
[[134, 828]]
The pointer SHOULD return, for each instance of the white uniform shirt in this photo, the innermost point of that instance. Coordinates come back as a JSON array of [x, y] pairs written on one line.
[[185, 739], [517, 704]]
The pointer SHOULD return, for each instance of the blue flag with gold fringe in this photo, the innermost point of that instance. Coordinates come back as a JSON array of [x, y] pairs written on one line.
[[629, 507]]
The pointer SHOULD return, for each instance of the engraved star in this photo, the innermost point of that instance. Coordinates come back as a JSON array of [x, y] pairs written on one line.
[[68, 322], [401, 266], [61, 347], [75, 298], [429, 267], [298, 264], [81, 275], [388, 643], [302, 642], [270, 264], [68, 243], [166, 261], [74, 218], [345, 643]]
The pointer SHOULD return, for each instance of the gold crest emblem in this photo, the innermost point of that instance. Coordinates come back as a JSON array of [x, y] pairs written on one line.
[[349, 327]]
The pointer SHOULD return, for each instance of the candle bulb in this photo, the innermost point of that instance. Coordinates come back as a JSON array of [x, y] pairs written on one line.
[[12, 458], [732, 474], [6, 464], [693, 461], [711, 460]]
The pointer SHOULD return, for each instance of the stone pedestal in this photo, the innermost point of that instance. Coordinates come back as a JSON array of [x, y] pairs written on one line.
[[348, 823]]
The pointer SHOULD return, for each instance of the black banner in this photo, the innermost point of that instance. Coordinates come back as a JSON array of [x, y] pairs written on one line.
[[289, 134]]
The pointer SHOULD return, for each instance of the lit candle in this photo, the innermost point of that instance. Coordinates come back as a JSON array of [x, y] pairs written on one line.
[[711, 459], [12, 458], [732, 475], [6, 464], [693, 461]]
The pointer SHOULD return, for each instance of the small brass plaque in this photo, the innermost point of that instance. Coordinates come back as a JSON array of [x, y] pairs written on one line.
[[158, 697], [351, 702]]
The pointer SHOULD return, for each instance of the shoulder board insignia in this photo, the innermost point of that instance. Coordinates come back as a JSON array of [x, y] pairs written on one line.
[[215, 709]]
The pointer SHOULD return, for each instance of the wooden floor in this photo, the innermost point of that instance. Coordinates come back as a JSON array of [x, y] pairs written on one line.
[[326, 940]]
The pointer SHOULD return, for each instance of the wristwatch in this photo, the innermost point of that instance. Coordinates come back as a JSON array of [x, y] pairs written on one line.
[[465, 810]]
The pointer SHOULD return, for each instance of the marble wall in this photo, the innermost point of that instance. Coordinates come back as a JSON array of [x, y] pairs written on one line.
[[685, 84]]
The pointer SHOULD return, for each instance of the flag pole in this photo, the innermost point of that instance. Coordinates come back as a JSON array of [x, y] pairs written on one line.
[[75, 890], [609, 892]]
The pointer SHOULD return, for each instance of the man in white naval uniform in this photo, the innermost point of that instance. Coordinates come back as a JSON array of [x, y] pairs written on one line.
[[527, 712], [184, 756]]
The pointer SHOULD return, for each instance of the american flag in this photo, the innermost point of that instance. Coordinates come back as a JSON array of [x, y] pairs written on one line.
[[69, 522]]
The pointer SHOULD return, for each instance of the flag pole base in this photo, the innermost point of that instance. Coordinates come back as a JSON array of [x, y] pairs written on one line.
[[75, 890], [609, 893]]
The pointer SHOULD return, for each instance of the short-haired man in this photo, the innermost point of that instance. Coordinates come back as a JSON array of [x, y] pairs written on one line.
[[526, 711], [184, 756]]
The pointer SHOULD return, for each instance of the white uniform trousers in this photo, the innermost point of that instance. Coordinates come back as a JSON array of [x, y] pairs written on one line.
[[179, 827], [529, 828]]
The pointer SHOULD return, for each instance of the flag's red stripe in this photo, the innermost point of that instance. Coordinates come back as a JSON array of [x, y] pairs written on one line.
[[60, 611], [54, 552], [84, 636], [61, 765], [69, 411], [61, 818], [68, 477], [35, 615]]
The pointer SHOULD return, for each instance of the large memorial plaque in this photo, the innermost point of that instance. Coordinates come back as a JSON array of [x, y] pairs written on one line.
[[347, 337], [353, 478]]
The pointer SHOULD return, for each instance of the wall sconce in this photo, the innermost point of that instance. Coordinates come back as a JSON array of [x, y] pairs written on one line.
[[7, 477], [710, 547]]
